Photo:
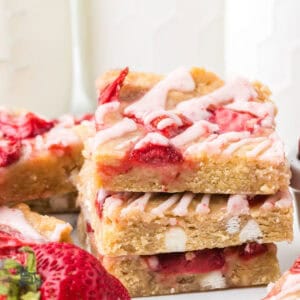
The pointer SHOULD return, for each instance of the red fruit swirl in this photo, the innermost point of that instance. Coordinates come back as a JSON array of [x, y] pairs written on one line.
[[295, 269], [10, 151], [23, 126], [202, 261], [251, 250], [229, 120]]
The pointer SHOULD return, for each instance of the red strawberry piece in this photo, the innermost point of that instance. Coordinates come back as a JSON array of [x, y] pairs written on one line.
[[296, 266], [229, 120], [69, 272], [89, 228], [199, 262], [10, 151], [173, 129], [23, 126], [252, 250], [156, 155], [86, 117], [111, 91]]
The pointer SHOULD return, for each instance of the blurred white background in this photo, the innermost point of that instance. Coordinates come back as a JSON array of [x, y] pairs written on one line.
[[51, 51]]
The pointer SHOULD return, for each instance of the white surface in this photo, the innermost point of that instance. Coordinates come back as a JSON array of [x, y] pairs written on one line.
[[287, 253], [35, 55], [262, 42]]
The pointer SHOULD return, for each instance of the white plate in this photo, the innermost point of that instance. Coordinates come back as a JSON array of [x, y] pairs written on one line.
[[287, 253]]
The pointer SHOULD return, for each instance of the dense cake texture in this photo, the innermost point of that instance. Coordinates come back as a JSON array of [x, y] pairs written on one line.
[[288, 286], [209, 269], [21, 223], [188, 131], [37, 157], [146, 223]]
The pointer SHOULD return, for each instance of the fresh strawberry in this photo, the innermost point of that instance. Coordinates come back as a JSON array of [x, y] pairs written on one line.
[[156, 155], [24, 126], [173, 129], [199, 262], [229, 120], [252, 250], [10, 151], [69, 272], [296, 267], [111, 91]]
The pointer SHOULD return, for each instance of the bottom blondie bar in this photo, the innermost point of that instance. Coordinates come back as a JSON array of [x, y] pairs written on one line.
[[209, 269]]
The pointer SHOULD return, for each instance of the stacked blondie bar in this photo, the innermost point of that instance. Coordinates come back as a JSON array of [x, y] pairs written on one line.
[[184, 184], [38, 158]]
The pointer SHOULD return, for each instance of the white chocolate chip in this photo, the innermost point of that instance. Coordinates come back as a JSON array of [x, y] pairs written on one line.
[[213, 280], [250, 232], [233, 225], [175, 239]]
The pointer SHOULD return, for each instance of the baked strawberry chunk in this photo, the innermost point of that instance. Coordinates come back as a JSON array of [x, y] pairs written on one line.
[[229, 120], [156, 155], [111, 91], [252, 250], [10, 151], [197, 262], [24, 126]]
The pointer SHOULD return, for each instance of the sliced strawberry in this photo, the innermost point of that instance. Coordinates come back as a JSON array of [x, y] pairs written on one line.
[[10, 151], [24, 126], [69, 272], [229, 120], [202, 261], [156, 155], [296, 267], [111, 91], [252, 250], [173, 129]]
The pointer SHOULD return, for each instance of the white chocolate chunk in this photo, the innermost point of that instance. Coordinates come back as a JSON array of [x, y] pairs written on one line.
[[250, 232], [233, 225], [213, 280], [175, 239]]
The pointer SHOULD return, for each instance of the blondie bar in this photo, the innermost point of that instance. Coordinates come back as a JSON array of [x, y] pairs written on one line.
[[188, 131], [209, 269]]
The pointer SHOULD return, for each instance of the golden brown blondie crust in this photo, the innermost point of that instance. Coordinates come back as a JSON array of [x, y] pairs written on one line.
[[140, 280]]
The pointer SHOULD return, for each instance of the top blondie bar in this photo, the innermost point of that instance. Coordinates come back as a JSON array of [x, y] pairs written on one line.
[[187, 131]]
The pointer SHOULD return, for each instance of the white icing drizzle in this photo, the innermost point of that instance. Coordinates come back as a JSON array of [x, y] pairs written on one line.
[[259, 148], [285, 200], [153, 138], [127, 143], [152, 115], [276, 152], [237, 205], [61, 136], [182, 207], [15, 219], [117, 130], [197, 130], [237, 145], [138, 204], [165, 123], [203, 206], [259, 109], [290, 288], [238, 90], [179, 80], [215, 144], [103, 109], [111, 204], [165, 205]]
